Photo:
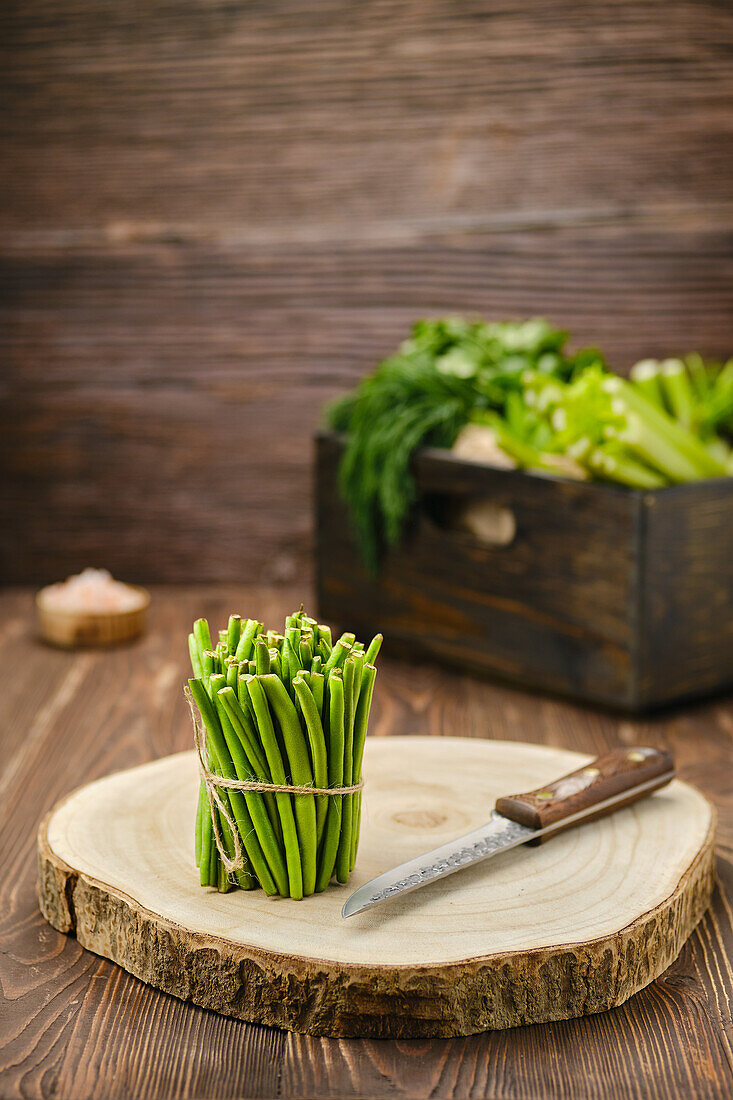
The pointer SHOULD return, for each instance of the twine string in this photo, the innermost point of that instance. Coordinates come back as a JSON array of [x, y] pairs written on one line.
[[212, 781]]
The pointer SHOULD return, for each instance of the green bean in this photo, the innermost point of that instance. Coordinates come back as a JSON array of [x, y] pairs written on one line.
[[218, 764], [246, 732], [358, 659], [210, 665], [317, 742], [316, 683], [233, 632], [256, 805], [339, 653], [202, 635], [374, 647], [212, 872], [344, 852], [361, 721], [246, 639], [294, 740], [324, 632], [276, 664], [215, 863], [324, 650], [224, 884], [277, 771], [198, 673], [216, 682], [262, 657], [317, 663], [227, 840], [300, 770], [232, 671], [195, 656], [205, 844], [199, 812], [211, 719], [305, 652], [291, 662], [243, 695], [243, 876], [330, 844]]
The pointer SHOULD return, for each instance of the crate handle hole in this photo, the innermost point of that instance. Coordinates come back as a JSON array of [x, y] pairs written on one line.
[[487, 522]]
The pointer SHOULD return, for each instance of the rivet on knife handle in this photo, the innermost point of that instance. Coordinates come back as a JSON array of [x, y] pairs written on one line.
[[622, 770]]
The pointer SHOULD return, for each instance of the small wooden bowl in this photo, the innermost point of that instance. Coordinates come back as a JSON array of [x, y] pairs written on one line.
[[87, 628]]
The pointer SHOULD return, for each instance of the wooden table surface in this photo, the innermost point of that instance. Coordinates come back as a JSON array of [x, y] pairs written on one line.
[[73, 1025]]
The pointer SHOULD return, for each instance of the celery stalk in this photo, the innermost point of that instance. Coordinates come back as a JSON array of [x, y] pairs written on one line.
[[624, 470], [645, 376], [678, 391], [628, 399]]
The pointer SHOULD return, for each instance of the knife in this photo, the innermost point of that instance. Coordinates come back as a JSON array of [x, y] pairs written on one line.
[[610, 782]]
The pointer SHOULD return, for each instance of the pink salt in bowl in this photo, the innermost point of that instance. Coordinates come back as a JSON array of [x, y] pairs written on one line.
[[62, 623]]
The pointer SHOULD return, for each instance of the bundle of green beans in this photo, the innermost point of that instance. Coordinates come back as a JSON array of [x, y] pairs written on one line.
[[285, 709]]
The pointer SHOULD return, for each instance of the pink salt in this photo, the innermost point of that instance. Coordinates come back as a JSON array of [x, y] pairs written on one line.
[[94, 591]]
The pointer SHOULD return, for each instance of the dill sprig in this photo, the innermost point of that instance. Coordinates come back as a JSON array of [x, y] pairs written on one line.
[[423, 396]]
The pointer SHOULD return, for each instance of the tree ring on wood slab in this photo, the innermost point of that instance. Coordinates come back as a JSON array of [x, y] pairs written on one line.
[[573, 927]]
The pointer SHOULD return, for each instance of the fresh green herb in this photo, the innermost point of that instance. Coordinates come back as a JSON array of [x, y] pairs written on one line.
[[537, 407], [423, 396]]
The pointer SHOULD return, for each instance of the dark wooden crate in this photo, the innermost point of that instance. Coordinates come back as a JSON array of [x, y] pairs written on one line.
[[610, 595]]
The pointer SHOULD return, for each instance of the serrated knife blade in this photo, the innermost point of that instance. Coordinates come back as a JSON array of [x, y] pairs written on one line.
[[614, 780], [498, 835]]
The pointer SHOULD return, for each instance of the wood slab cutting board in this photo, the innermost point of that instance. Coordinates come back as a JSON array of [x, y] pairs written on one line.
[[574, 926]]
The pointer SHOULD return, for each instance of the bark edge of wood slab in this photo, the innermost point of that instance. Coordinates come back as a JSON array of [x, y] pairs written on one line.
[[440, 998]]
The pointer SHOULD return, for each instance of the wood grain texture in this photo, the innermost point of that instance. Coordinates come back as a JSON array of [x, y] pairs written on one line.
[[602, 915], [77, 1026], [215, 217], [695, 544]]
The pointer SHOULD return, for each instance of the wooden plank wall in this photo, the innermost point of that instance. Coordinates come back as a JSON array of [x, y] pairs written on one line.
[[215, 216]]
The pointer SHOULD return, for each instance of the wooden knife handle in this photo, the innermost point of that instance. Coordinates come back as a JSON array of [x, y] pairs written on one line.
[[619, 772]]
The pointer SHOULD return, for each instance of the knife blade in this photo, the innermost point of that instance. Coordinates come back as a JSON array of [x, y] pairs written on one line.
[[610, 782]]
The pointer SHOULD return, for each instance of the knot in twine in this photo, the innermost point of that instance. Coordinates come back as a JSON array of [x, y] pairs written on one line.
[[212, 780]]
